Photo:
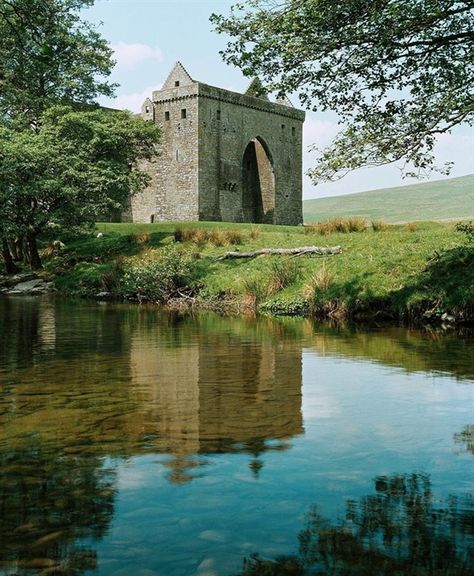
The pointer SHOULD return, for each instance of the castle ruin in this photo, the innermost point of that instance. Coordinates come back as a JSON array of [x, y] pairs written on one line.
[[223, 156]]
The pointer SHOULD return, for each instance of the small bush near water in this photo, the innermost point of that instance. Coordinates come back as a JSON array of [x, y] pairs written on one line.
[[158, 278]]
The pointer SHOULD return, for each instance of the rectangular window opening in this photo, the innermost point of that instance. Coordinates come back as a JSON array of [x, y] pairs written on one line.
[[176, 83], [167, 115], [218, 114], [293, 131], [183, 113]]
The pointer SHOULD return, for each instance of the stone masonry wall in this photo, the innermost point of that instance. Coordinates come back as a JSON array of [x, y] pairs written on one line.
[[228, 122], [199, 172]]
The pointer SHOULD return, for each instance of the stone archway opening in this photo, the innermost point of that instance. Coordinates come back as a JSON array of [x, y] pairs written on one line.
[[258, 183]]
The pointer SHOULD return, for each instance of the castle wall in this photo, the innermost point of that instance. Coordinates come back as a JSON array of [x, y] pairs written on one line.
[[228, 122], [223, 156], [176, 176]]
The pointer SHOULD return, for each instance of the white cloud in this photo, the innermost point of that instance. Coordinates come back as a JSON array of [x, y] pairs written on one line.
[[318, 132], [130, 56]]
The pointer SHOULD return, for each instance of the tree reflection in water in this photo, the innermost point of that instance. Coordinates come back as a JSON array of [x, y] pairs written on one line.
[[48, 503], [402, 529]]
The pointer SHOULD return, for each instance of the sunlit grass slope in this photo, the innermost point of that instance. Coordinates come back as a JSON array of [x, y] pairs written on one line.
[[440, 200], [400, 271]]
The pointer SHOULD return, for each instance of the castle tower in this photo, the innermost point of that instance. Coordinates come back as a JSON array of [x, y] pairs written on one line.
[[223, 156]]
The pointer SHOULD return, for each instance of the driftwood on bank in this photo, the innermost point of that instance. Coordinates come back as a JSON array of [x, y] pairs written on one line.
[[318, 250]]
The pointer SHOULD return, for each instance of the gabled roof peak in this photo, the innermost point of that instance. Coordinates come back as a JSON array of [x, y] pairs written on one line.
[[256, 89], [283, 100], [177, 77]]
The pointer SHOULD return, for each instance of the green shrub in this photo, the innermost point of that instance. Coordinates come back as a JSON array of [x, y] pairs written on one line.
[[467, 229], [158, 278], [295, 306]]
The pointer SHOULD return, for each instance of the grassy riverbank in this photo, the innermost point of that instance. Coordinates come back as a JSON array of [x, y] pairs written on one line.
[[422, 271]]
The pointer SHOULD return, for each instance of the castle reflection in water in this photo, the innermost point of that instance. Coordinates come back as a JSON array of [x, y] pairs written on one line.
[[153, 386]]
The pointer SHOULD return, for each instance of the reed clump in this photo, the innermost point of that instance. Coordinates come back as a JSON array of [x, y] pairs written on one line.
[[344, 225], [379, 225], [139, 238], [201, 236], [283, 273], [319, 283], [255, 290]]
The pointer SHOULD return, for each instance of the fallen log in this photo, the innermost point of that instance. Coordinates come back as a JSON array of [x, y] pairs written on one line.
[[302, 250]]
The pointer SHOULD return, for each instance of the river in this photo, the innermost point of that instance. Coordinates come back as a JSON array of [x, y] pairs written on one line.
[[139, 442]]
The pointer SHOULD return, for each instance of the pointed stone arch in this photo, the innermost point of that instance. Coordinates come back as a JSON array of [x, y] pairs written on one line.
[[258, 183]]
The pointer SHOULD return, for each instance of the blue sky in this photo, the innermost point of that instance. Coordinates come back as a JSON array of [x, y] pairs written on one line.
[[149, 36]]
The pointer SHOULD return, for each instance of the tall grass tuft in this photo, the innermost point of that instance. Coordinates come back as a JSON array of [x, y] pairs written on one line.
[[137, 238], [111, 278], [379, 225], [411, 226], [344, 225], [319, 283], [255, 232], [200, 236], [255, 291], [283, 273]]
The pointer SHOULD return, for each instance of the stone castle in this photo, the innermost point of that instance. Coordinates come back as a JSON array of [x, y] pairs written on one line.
[[223, 156]]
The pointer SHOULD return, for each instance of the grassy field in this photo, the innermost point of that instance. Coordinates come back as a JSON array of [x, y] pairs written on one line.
[[440, 200], [412, 271]]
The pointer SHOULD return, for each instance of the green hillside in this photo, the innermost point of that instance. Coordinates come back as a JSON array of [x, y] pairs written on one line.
[[450, 199]]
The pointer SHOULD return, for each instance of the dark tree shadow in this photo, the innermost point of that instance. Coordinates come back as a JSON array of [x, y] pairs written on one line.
[[45, 512], [445, 286]]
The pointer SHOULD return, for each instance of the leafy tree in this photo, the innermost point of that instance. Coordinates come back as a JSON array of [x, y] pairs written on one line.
[[76, 166], [49, 55], [397, 72], [58, 165]]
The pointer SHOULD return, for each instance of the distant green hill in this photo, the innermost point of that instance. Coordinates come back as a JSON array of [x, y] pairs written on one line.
[[440, 200]]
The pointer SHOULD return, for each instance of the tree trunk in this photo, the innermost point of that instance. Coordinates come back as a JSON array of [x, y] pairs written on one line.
[[302, 250], [10, 265], [33, 255], [16, 248]]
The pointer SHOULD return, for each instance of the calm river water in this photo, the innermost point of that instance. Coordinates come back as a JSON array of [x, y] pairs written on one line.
[[139, 443]]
